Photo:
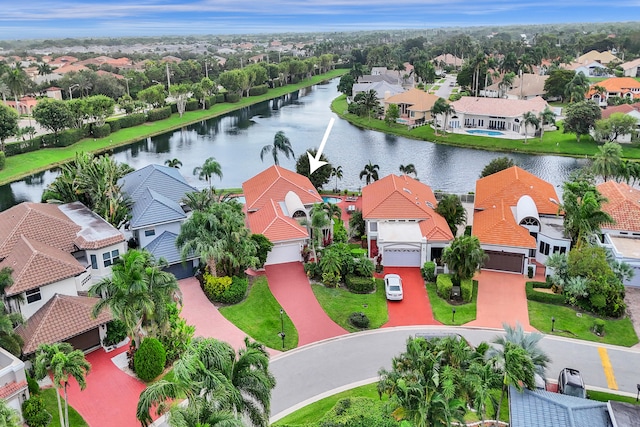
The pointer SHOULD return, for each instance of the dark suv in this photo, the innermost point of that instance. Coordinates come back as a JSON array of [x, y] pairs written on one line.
[[570, 383]]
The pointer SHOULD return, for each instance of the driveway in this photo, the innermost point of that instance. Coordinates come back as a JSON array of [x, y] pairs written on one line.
[[415, 308], [501, 298], [290, 285]]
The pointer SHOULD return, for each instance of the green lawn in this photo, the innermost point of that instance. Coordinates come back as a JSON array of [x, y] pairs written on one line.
[[28, 163], [259, 316], [554, 142], [443, 311], [51, 404], [339, 303], [601, 396], [617, 332]]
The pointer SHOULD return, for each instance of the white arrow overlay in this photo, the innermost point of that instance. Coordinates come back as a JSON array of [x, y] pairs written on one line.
[[315, 162]]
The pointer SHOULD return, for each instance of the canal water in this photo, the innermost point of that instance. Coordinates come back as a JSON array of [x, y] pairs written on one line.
[[235, 140]]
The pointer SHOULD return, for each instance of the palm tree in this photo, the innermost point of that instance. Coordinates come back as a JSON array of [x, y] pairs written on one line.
[[528, 341], [442, 107], [577, 87], [9, 339], [529, 118], [546, 117], [409, 169], [17, 80], [337, 172], [66, 366], [137, 292], [4, 91], [370, 173], [199, 200], [451, 209], [606, 162], [210, 371], [43, 363], [480, 380], [209, 168], [369, 100], [44, 69], [280, 144], [464, 257], [319, 220], [173, 163]]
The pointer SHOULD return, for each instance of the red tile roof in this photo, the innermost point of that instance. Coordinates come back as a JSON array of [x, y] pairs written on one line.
[[275, 225], [402, 197], [623, 108], [273, 184], [497, 226], [623, 204], [61, 318], [617, 85], [12, 388]]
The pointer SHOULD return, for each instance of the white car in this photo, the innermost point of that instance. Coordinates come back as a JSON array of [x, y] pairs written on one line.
[[393, 287]]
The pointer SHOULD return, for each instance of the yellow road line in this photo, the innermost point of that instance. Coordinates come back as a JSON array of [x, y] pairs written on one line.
[[608, 369]]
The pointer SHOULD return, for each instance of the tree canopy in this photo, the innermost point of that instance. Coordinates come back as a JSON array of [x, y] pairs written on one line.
[[496, 165], [580, 118], [320, 176]]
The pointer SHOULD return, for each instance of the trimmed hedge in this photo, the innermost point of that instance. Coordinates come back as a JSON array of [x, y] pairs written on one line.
[[444, 285], [131, 120], [231, 97], [19, 147], [226, 290], [359, 320], [428, 271], [100, 131], [159, 114], [192, 105], [236, 292], [359, 284], [174, 108], [466, 289], [258, 90], [3, 160], [210, 102], [543, 297], [114, 125], [150, 359], [68, 137], [220, 98]]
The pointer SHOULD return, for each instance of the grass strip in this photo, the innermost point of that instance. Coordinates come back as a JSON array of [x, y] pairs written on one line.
[[443, 311], [51, 405]]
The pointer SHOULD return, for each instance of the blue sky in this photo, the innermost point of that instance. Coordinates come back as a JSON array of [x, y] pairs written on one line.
[[26, 19]]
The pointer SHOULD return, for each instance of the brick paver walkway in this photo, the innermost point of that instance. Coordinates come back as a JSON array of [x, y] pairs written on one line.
[[415, 308]]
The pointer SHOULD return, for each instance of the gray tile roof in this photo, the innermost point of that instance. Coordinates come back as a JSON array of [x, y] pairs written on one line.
[[152, 208], [164, 246], [162, 179], [543, 409]]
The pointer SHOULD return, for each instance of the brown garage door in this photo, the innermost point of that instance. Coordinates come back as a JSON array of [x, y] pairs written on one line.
[[86, 340], [504, 261]]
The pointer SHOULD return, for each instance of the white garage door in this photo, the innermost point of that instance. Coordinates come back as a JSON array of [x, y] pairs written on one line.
[[282, 253], [401, 258]]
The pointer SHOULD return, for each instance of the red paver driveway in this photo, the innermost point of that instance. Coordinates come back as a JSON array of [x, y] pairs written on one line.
[[111, 396], [501, 298], [290, 285], [415, 308]]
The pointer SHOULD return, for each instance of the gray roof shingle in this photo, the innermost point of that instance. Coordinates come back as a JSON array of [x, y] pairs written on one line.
[[162, 179], [152, 208], [164, 246]]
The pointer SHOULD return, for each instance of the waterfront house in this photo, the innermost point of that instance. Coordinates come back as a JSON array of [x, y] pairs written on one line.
[[627, 88], [414, 106]]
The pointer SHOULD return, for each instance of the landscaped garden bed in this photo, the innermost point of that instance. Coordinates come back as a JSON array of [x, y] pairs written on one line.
[[443, 309]]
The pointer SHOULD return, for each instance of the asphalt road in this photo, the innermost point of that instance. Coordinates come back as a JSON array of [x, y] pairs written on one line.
[[323, 368]]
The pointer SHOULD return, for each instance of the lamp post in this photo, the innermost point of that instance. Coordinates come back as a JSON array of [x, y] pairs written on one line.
[[453, 315], [71, 90], [553, 323], [282, 335]]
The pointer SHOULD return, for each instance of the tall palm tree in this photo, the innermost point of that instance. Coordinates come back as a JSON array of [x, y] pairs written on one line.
[[44, 69], [546, 117], [337, 172], [4, 91], [528, 341], [43, 364], [370, 173], [319, 219], [9, 339], [137, 292], [173, 163], [280, 144], [209, 168], [369, 100], [464, 257], [69, 365], [606, 162], [529, 118], [17, 80], [480, 380], [409, 169], [442, 107], [210, 371]]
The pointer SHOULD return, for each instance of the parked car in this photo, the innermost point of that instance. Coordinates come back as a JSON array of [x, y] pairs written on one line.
[[393, 287], [570, 382], [540, 381]]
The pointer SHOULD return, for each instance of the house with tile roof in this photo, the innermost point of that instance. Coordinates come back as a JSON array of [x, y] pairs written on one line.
[[414, 106], [383, 90], [57, 251], [604, 57], [622, 87], [13, 381], [622, 238], [277, 200], [526, 86], [515, 217], [499, 114], [631, 68], [632, 110], [157, 214], [448, 60], [401, 222], [589, 68]]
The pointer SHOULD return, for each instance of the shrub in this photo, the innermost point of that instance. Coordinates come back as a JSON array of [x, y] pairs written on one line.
[[359, 320], [543, 297], [231, 97], [444, 285], [358, 412], [159, 114], [312, 269], [210, 102], [3, 160], [100, 131], [331, 279], [174, 108], [466, 289], [598, 326], [364, 267], [530, 272], [150, 359], [192, 105], [13, 148], [178, 335], [214, 286], [220, 98], [34, 387], [34, 412], [258, 90], [598, 301], [116, 332], [131, 120], [428, 271], [235, 292], [358, 252], [69, 137], [360, 285]]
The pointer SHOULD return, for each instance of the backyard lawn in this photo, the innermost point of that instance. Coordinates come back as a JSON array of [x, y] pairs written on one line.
[[339, 303], [573, 324], [51, 404], [443, 311], [259, 316]]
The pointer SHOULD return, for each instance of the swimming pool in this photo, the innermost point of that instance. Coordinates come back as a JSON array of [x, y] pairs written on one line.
[[333, 200], [484, 132], [240, 199]]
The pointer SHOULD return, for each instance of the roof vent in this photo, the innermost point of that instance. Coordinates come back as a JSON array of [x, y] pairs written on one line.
[[406, 190]]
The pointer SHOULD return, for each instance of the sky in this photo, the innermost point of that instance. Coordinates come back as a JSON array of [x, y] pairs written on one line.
[[48, 19]]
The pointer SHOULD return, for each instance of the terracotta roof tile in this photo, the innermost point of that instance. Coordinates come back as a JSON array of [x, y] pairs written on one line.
[[623, 204], [35, 264], [623, 108], [617, 84], [12, 389], [499, 106], [275, 225], [61, 318], [418, 99], [274, 183], [496, 225]]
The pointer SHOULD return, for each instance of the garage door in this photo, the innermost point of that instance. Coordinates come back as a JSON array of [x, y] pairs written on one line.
[[181, 271], [504, 261], [86, 340], [401, 258], [283, 253]]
